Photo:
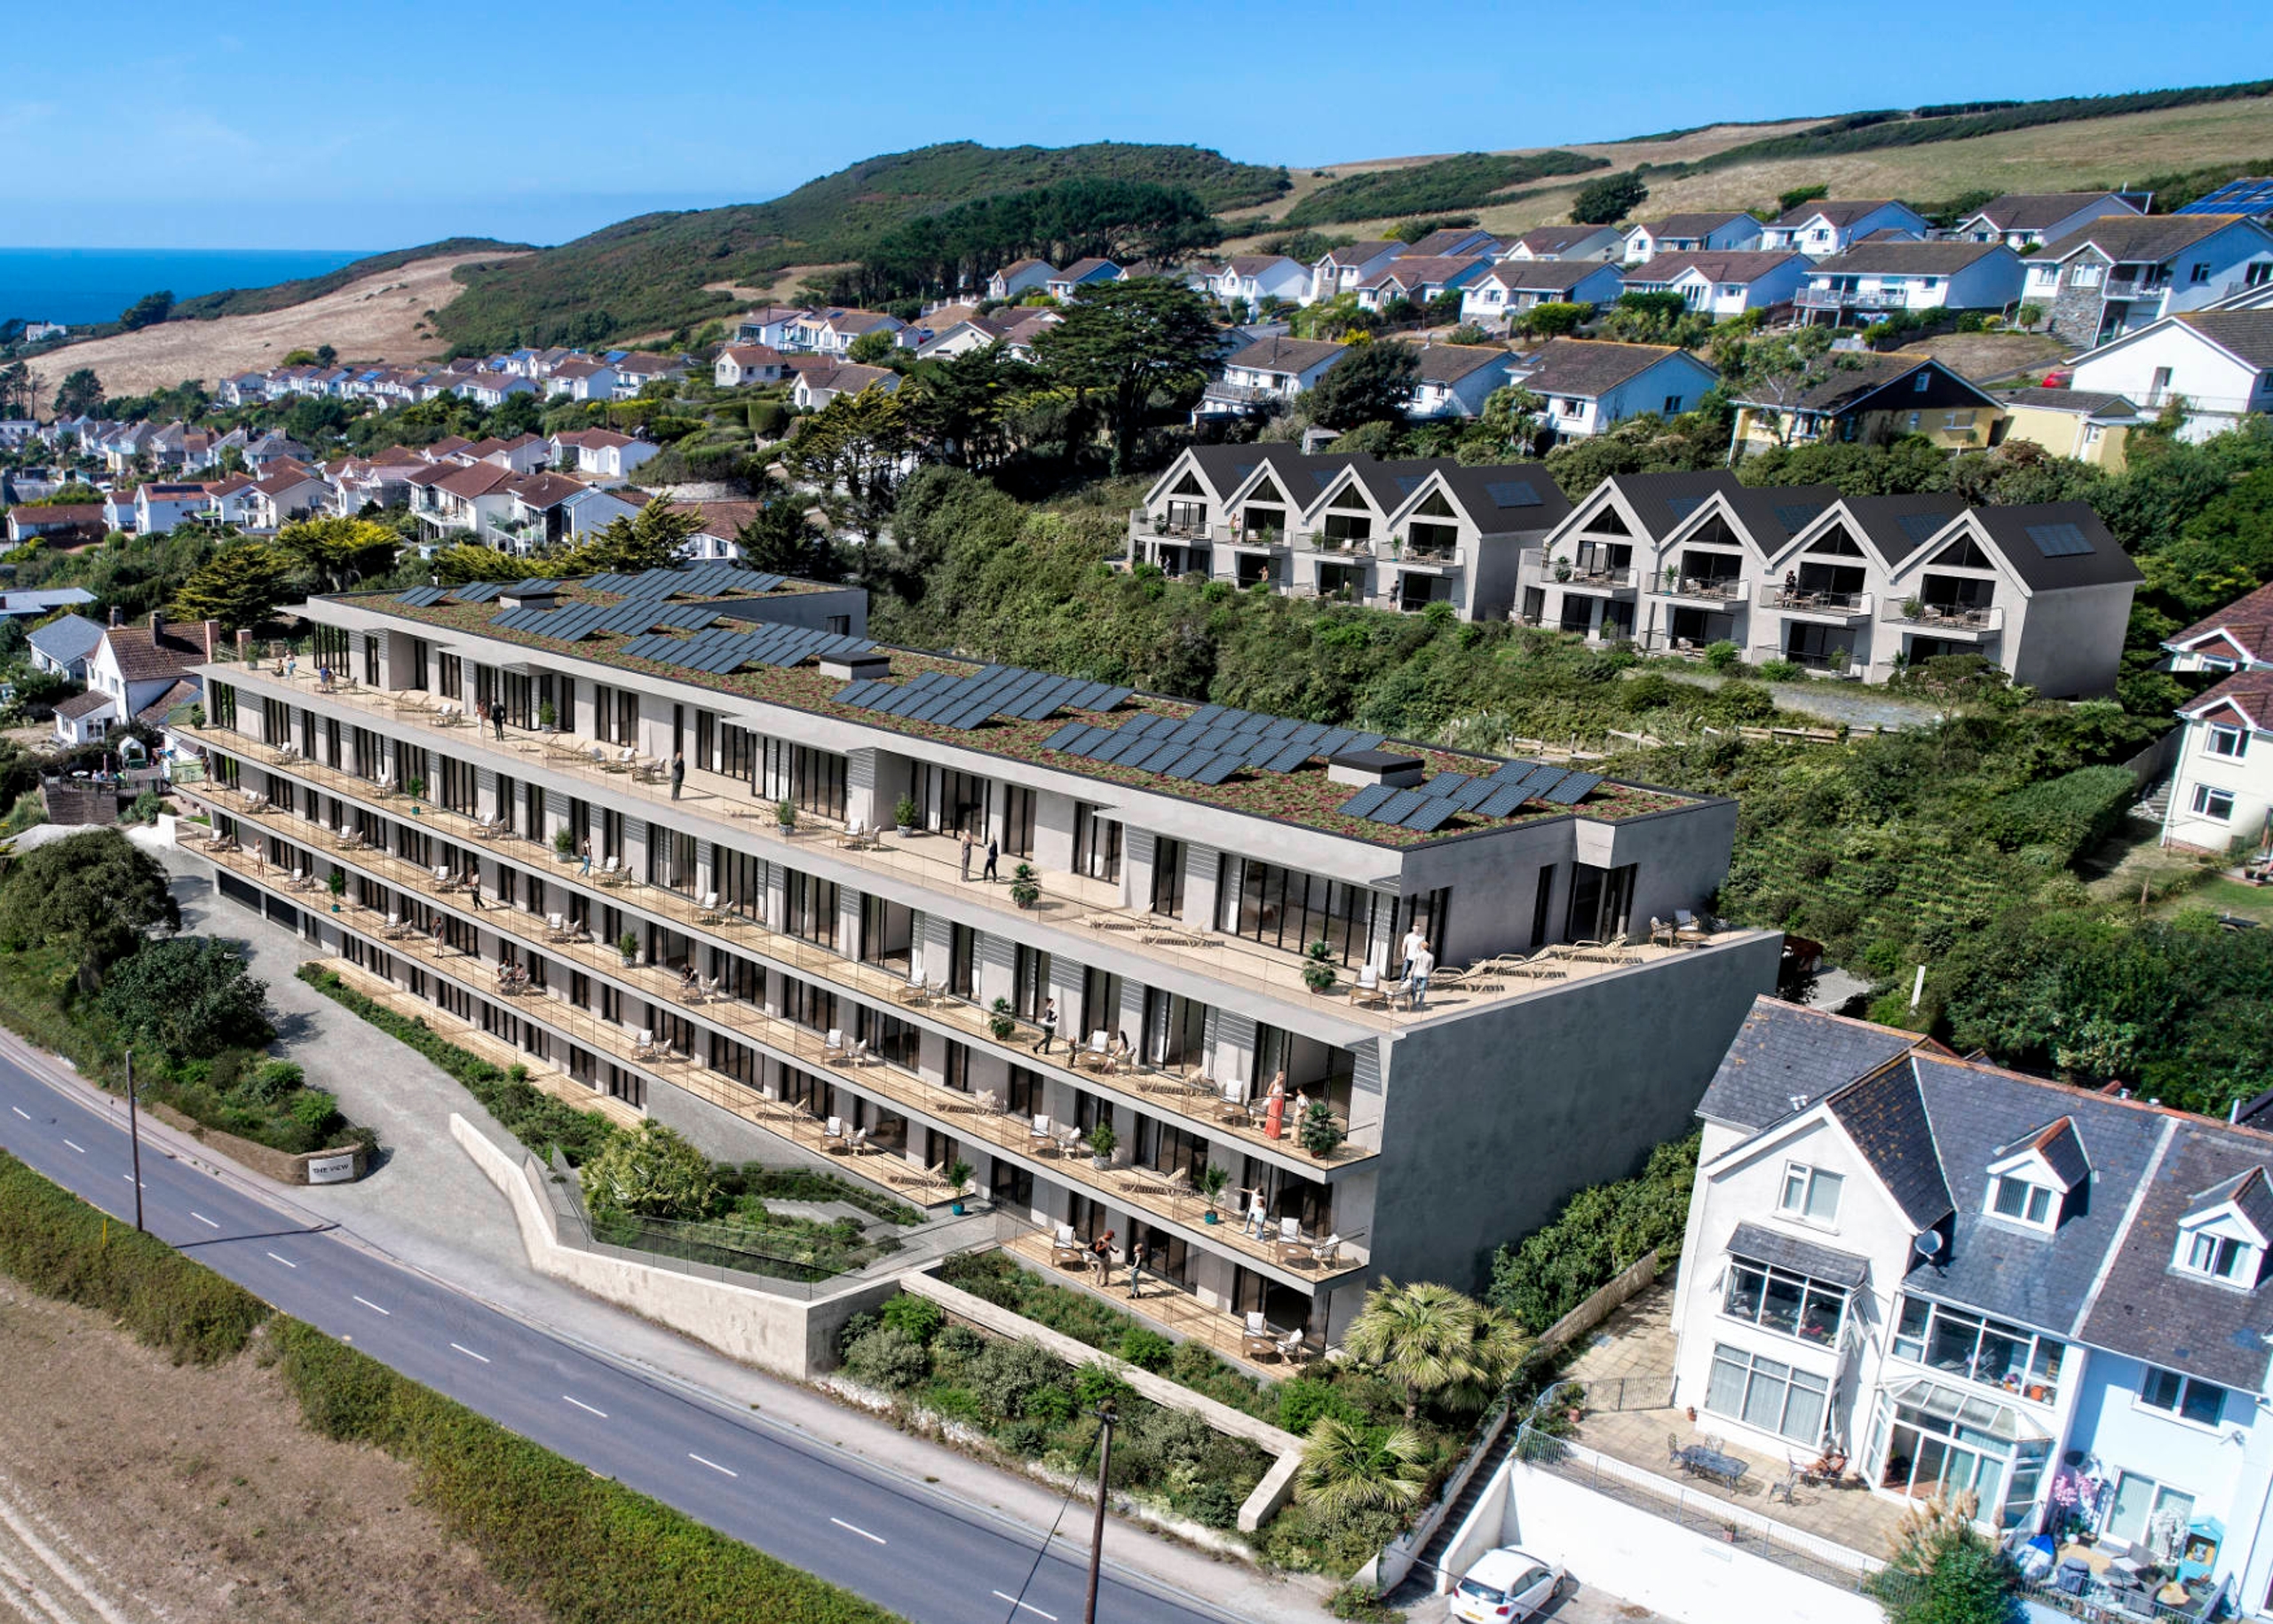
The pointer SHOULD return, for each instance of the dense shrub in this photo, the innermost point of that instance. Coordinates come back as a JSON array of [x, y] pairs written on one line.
[[2070, 814], [1600, 1232]]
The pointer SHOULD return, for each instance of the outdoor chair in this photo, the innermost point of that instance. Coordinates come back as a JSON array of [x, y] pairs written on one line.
[[610, 872], [1289, 1346], [1098, 1054], [1040, 1138], [1288, 1245], [834, 1136], [833, 1048], [990, 1103], [644, 1046], [859, 1144], [1367, 990], [914, 991], [1258, 1340], [1686, 926], [710, 914], [1065, 1247]]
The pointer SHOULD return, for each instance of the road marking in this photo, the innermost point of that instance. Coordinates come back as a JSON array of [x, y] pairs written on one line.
[[581, 1404], [1029, 1606], [20, 1112], [864, 1533], [130, 1178], [470, 1354], [375, 1307], [80, 1148], [713, 1465], [202, 1218], [287, 1262]]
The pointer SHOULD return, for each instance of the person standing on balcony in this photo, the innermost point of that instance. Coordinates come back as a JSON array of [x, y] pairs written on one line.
[[584, 849], [678, 771], [497, 716], [969, 845], [1101, 1250], [1049, 1028], [1138, 1257], [1258, 1212], [993, 850], [1274, 1123], [1416, 974], [1415, 941]]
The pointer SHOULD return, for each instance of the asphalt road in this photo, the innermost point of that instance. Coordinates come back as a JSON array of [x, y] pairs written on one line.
[[884, 1538]]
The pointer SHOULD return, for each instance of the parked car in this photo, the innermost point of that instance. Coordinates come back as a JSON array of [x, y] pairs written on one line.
[[1505, 1587]]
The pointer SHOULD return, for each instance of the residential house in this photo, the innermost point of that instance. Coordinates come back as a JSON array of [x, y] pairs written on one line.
[[1723, 283], [1588, 385], [1419, 279], [456, 503], [1603, 242], [359, 483], [2249, 194], [1062, 285], [583, 380], [636, 371], [1710, 232], [1824, 227], [64, 525], [1019, 276], [2221, 783], [2026, 220], [1249, 279], [271, 448], [1500, 292], [287, 492], [1971, 1282], [1875, 279], [1874, 399], [817, 388], [1460, 241], [601, 457], [83, 717], [134, 667], [2123, 273], [746, 363], [550, 510], [494, 388], [1267, 373], [245, 389], [230, 499], [1457, 378], [2217, 364], [2078, 423], [1340, 270], [769, 325], [524, 453], [34, 602], [118, 509], [62, 646], [158, 507], [833, 332], [959, 337]]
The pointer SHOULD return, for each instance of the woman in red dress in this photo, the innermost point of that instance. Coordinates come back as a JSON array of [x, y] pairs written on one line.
[[1274, 1124]]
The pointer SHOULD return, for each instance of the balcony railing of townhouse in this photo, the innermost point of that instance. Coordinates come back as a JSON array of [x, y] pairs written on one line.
[[1160, 1089], [2134, 287], [1430, 555], [1244, 394], [1069, 902], [1140, 1189], [1944, 617], [1817, 605], [1852, 299], [1715, 589], [1144, 526]]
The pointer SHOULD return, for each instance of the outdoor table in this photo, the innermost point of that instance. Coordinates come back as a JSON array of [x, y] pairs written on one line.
[[1725, 1469]]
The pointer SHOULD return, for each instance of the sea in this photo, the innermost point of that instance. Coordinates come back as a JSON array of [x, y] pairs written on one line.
[[77, 285]]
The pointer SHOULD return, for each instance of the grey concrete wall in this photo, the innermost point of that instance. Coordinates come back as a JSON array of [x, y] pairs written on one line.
[[1493, 1119], [2070, 643]]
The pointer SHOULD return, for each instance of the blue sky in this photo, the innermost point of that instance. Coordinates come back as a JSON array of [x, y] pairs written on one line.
[[347, 124]]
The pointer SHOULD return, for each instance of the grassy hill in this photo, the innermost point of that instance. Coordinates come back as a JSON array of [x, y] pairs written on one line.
[[654, 271], [278, 295]]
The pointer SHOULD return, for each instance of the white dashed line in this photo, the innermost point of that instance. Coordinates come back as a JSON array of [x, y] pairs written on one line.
[[375, 1307], [470, 1354], [713, 1465], [287, 1262], [581, 1404], [202, 1218], [80, 1148], [129, 1177], [1029, 1606], [865, 1534], [20, 1112]]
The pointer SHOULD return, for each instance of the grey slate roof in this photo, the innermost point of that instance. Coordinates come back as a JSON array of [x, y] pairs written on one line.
[[2130, 239], [1880, 518], [1783, 1051], [2245, 333], [2248, 1190], [2059, 1144], [2034, 210], [1883, 1113], [1591, 366], [2087, 403], [1905, 257], [69, 638], [1296, 355], [1848, 388], [1763, 1245]]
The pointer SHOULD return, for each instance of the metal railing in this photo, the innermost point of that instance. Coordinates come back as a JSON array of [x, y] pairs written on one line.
[[1852, 299], [1946, 617], [1805, 600], [1714, 589]]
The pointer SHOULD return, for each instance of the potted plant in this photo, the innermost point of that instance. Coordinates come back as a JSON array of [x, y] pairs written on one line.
[[627, 945], [1026, 889], [1159, 524], [1320, 1134], [1318, 969], [959, 1181], [1002, 1020], [1561, 569], [417, 788], [785, 814], [1673, 576], [1913, 608], [1211, 1180], [903, 815], [547, 717], [564, 843], [1102, 1141]]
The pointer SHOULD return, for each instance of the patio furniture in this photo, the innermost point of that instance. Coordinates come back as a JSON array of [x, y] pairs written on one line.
[[610, 872], [988, 1104], [855, 834], [644, 1046], [915, 991], [1098, 1056], [860, 1143], [1232, 1108], [832, 1047], [394, 929], [1259, 1340], [1367, 989], [1289, 1345], [1704, 1461], [1686, 928], [1289, 1243], [834, 1139], [1066, 1249], [711, 913], [1040, 1138]]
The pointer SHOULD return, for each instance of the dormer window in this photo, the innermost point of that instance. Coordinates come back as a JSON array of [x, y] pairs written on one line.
[[2031, 1179], [2220, 1256], [2222, 1235], [2028, 1203]]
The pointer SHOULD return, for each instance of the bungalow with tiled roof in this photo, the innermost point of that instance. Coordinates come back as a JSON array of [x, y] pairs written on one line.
[[1498, 293], [1019, 276], [1709, 232], [131, 668], [746, 363], [1723, 283], [1267, 373], [601, 457], [1457, 378], [2026, 220], [1588, 385]]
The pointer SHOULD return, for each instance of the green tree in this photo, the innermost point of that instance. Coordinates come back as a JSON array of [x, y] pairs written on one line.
[[778, 538], [240, 587], [1431, 1339], [853, 450], [956, 407], [326, 356], [1129, 345], [15, 390], [189, 996], [1786, 201], [468, 562], [1349, 1466], [1943, 1571], [874, 349], [652, 538], [1774, 371], [1610, 200], [336, 551], [80, 394], [94, 894], [1372, 383], [1555, 319], [148, 310], [655, 1173]]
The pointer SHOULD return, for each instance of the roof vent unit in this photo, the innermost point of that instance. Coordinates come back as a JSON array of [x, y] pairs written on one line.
[[541, 598], [871, 665], [1359, 768]]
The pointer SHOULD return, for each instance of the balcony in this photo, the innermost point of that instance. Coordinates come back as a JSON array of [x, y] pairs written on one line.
[[1592, 580], [1852, 299], [1810, 605], [1161, 1091], [1144, 527], [1719, 590], [1946, 620], [2128, 288], [1436, 558], [1137, 1189]]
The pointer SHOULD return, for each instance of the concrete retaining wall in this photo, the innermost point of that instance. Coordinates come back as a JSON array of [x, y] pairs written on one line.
[[282, 1165], [791, 1337]]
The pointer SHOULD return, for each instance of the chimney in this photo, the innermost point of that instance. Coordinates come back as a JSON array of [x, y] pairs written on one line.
[[157, 625], [116, 618]]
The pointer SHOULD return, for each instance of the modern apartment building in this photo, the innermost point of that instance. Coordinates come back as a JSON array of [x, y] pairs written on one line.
[[840, 988], [1863, 586], [1345, 525]]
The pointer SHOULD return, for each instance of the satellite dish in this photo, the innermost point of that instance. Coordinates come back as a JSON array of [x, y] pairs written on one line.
[[1928, 1243]]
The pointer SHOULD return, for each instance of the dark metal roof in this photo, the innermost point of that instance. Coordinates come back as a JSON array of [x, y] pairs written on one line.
[[1763, 1245]]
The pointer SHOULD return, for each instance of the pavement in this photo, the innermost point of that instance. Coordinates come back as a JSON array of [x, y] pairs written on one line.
[[421, 1264]]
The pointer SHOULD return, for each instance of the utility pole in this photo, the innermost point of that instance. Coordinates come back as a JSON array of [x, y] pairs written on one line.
[[134, 1137], [1106, 1417]]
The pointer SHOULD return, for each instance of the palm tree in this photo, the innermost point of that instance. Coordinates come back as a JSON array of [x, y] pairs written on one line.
[[1434, 1341], [1348, 1468]]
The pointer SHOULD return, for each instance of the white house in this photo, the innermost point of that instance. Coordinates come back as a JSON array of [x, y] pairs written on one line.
[[746, 363], [1825, 227], [1457, 378], [64, 645], [494, 388], [1514, 286], [2222, 787], [2026, 220], [1249, 279], [1270, 371], [1723, 283], [1873, 279], [1965, 1280], [1418, 279], [602, 456], [634, 372], [134, 667], [1715, 231], [1588, 385], [818, 386], [1062, 285], [2220, 362], [158, 507], [583, 380], [1603, 242], [1339, 271], [2121, 272], [769, 325], [1019, 276]]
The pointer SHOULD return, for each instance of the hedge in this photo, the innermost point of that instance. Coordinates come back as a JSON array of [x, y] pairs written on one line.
[[584, 1548], [61, 1246]]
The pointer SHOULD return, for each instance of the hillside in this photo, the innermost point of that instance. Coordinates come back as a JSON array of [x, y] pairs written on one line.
[[656, 271], [278, 295]]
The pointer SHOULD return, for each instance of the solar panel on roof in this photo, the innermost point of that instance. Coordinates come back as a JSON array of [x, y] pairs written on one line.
[[1476, 790], [1207, 713], [1431, 815], [1683, 506], [1572, 789], [1252, 750], [1064, 736], [1794, 516], [1218, 769], [1442, 784], [1514, 771], [1160, 758], [1288, 759], [1249, 721], [1501, 802], [855, 693], [1918, 527], [1088, 738], [1187, 763], [2061, 540], [1512, 493], [476, 592], [1362, 742], [1541, 779], [419, 596], [1283, 728], [2251, 194], [1362, 804], [1397, 807], [1110, 698], [1330, 744], [1082, 697], [1121, 744], [1408, 482]]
